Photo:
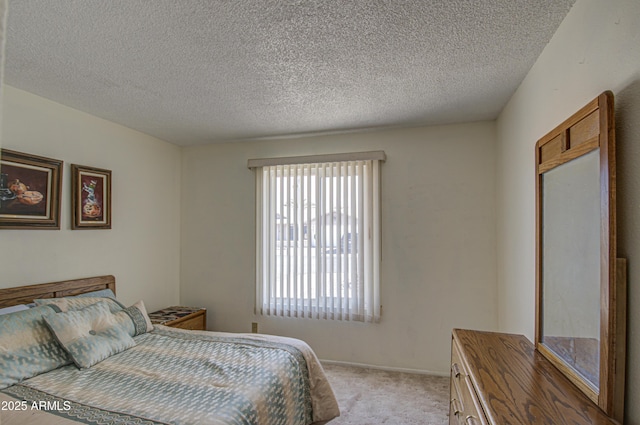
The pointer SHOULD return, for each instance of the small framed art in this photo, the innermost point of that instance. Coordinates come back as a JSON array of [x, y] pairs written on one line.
[[30, 188], [90, 197]]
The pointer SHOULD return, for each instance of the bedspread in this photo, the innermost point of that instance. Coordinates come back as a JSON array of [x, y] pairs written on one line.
[[182, 377]]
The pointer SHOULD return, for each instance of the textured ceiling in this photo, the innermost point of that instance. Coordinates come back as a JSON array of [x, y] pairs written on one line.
[[199, 71]]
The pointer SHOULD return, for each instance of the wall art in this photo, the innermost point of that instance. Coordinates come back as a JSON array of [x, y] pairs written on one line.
[[30, 188], [90, 197]]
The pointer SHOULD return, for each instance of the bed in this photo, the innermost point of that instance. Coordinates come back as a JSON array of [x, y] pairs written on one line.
[[103, 362]]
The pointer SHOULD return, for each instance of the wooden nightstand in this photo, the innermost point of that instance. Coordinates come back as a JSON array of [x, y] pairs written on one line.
[[194, 318]]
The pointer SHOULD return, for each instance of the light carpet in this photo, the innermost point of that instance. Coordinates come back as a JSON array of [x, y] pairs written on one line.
[[371, 396]]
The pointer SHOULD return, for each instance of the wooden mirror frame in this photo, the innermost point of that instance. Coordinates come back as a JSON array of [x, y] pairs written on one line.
[[590, 128]]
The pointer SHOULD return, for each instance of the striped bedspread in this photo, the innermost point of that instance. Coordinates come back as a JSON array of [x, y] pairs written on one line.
[[181, 377]]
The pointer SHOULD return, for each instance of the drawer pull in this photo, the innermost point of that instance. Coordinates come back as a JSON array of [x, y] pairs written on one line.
[[472, 420], [455, 370], [456, 408]]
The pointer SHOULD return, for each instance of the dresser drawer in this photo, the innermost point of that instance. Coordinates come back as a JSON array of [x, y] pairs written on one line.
[[195, 323], [464, 406]]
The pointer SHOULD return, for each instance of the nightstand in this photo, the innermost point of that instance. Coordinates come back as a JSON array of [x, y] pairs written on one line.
[[194, 318]]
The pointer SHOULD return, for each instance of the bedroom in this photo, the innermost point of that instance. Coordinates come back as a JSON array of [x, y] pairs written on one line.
[[171, 244]]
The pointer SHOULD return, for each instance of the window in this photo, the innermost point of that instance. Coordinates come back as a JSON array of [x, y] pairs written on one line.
[[318, 244]]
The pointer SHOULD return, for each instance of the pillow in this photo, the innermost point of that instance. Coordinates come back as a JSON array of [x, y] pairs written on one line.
[[103, 293], [135, 319], [77, 303], [27, 347], [13, 309], [89, 335]]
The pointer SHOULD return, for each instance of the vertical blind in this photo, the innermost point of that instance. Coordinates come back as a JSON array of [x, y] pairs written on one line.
[[318, 244]]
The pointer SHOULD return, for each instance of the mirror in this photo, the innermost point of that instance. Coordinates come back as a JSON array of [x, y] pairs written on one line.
[[581, 288], [571, 264]]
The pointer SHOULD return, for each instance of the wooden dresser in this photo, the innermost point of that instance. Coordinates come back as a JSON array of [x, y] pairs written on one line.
[[501, 379]]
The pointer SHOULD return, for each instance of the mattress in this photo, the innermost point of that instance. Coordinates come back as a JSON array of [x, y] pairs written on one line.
[[182, 377]]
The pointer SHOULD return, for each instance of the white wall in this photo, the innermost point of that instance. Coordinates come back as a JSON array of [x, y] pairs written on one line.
[[596, 48], [438, 242], [143, 247]]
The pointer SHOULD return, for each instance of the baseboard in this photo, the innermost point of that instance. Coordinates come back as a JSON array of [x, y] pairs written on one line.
[[385, 368]]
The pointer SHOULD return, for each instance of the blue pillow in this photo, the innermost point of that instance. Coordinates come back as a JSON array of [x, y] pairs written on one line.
[[89, 335], [13, 309], [103, 293], [77, 303], [27, 347], [134, 319]]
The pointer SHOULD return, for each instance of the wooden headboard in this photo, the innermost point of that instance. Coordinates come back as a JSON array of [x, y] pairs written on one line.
[[65, 288]]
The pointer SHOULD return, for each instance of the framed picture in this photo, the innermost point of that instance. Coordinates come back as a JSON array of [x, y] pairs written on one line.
[[90, 197], [30, 188]]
